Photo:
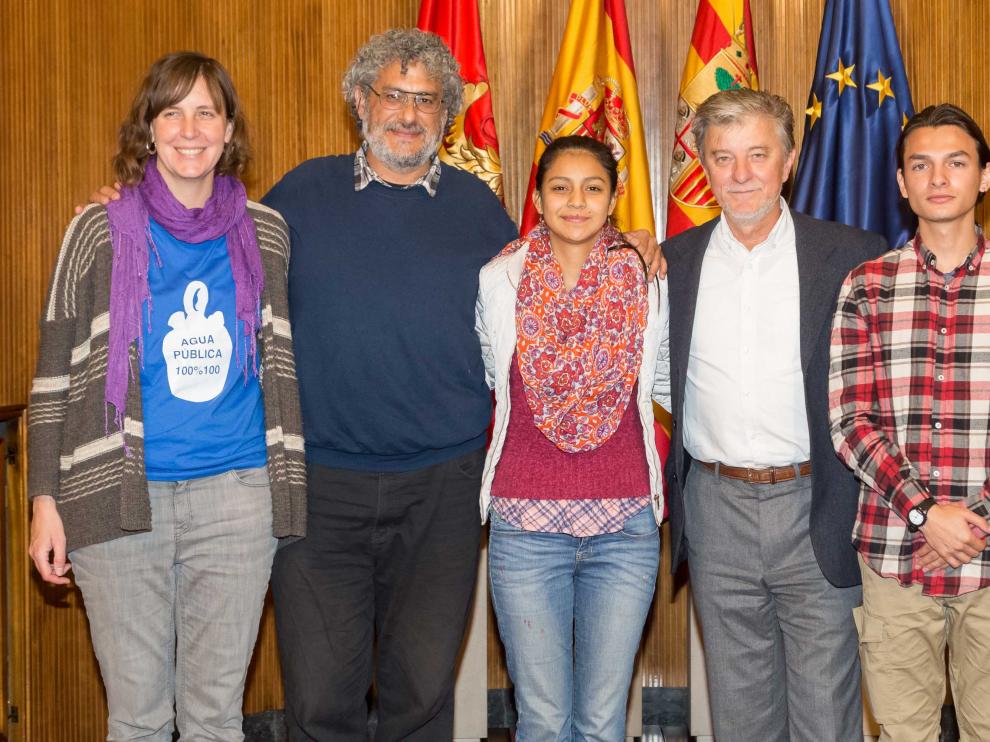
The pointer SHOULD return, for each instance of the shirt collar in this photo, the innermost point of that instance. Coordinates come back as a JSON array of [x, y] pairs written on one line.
[[972, 261], [777, 235], [364, 174]]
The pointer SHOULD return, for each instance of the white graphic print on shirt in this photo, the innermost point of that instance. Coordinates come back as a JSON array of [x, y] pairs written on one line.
[[197, 350]]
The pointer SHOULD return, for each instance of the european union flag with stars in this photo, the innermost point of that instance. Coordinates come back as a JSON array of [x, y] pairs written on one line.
[[859, 101]]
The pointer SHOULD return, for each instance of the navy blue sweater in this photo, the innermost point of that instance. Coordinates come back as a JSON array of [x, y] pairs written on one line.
[[382, 289]]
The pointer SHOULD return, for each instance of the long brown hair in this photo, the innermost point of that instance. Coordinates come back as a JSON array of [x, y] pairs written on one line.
[[169, 81]]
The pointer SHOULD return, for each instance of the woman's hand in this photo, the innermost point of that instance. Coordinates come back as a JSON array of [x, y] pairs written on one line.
[[649, 249], [48, 537]]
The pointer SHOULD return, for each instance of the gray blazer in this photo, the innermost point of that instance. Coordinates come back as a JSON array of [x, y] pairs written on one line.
[[826, 252]]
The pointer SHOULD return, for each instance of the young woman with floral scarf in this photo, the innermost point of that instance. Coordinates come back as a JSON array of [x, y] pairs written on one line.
[[574, 339]]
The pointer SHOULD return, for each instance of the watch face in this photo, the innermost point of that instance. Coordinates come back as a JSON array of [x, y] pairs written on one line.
[[916, 517]]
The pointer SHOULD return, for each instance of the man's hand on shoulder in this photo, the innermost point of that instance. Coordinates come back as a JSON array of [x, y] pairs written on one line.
[[955, 534], [102, 195], [649, 249]]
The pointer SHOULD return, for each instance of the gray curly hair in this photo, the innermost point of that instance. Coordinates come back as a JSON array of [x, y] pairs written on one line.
[[405, 46], [730, 106]]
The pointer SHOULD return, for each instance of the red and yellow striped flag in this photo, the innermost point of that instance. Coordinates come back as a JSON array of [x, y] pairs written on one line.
[[471, 144], [593, 93], [722, 55]]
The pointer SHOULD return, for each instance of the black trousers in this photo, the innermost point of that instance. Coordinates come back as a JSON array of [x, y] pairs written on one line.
[[391, 556]]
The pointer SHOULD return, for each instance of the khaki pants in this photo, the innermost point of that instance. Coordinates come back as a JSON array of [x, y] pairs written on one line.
[[903, 636]]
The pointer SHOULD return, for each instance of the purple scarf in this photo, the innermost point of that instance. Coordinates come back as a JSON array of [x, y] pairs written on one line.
[[224, 213]]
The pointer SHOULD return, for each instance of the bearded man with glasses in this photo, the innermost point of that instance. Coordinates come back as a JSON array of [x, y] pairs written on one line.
[[386, 248]]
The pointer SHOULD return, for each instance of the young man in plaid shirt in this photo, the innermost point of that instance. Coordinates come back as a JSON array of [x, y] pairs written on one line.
[[910, 404]]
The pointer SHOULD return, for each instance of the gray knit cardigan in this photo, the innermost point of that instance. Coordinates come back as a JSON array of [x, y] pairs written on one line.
[[100, 488]]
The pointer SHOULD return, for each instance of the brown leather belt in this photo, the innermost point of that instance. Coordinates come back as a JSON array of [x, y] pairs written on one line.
[[770, 475]]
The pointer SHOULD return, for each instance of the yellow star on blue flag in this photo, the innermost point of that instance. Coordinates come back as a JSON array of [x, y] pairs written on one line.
[[844, 76], [882, 86], [814, 111]]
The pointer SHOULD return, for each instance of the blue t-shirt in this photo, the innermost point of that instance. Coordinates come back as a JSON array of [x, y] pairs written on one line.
[[200, 415]]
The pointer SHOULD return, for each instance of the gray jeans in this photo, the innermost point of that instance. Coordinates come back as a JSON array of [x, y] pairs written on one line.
[[780, 642], [174, 612]]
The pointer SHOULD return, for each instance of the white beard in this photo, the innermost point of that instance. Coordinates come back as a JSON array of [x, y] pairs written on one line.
[[393, 160]]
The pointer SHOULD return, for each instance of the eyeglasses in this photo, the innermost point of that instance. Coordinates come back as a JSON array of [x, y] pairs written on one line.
[[396, 100]]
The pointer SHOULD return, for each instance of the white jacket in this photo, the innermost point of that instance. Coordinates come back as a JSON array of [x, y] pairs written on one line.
[[495, 323]]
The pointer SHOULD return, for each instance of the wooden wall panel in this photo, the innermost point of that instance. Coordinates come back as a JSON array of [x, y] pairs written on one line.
[[65, 701], [73, 68], [943, 42], [69, 70], [16, 571]]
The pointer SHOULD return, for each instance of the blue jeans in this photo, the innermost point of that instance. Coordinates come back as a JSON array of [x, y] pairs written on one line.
[[174, 612], [571, 613]]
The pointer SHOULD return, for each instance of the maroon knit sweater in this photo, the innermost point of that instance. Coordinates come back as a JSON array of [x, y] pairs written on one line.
[[531, 467]]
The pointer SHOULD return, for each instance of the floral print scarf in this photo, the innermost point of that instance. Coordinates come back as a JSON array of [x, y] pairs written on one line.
[[579, 351]]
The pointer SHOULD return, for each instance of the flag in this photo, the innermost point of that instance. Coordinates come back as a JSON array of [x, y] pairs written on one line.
[[471, 144], [858, 103], [593, 93], [722, 56]]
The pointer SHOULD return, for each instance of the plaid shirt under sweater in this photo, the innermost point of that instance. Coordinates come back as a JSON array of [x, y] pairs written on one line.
[[909, 398], [365, 175]]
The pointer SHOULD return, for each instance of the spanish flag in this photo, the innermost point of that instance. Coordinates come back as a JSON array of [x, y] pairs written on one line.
[[471, 144], [722, 55], [593, 93]]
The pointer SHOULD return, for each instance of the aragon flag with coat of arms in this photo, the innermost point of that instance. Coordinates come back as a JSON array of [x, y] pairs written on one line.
[[722, 55]]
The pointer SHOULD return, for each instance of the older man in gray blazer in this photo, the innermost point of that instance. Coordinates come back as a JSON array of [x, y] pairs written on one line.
[[760, 506]]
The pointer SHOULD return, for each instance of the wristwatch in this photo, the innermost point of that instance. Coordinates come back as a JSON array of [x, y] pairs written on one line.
[[918, 516]]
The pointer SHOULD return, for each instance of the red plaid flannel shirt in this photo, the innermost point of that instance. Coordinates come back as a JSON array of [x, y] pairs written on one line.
[[909, 399]]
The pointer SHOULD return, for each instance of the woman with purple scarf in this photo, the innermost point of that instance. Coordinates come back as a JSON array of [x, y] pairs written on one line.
[[165, 436]]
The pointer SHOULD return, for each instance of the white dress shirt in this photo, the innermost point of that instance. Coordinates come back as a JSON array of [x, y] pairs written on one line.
[[744, 392]]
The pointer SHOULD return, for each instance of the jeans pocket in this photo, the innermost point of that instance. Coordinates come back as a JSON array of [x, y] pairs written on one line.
[[640, 524], [253, 477], [502, 526]]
